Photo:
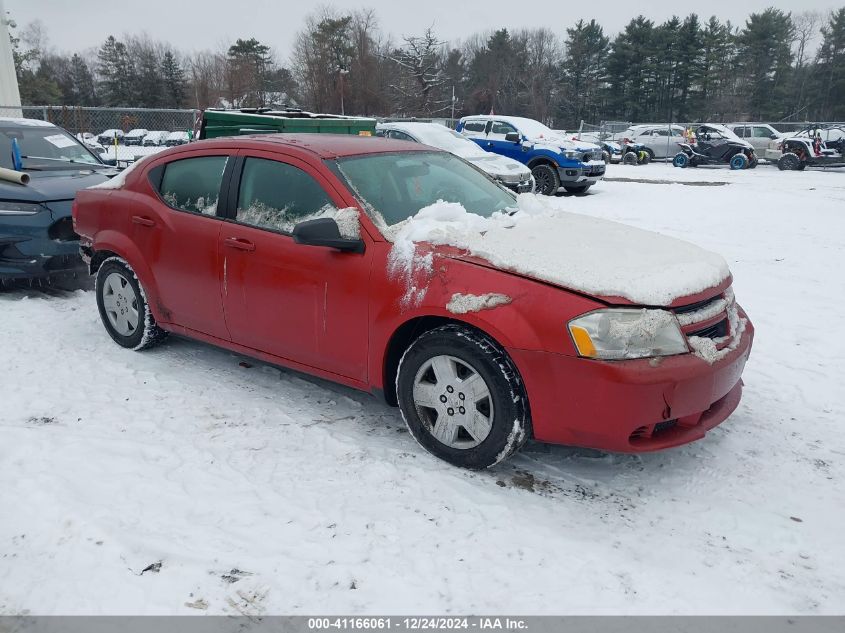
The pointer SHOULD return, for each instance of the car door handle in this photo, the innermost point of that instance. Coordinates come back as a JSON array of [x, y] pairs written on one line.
[[240, 244], [143, 220]]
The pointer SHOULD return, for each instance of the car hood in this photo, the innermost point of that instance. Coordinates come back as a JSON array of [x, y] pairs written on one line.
[[46, 186], [557, 143], [612, 262], [497, 165]]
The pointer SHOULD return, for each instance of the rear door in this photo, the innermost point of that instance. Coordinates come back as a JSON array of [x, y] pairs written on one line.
[[306, 304], [176, 229]]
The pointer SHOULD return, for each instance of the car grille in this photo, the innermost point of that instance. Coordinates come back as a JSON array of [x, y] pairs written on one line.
[[595, 170], [586, 157], [718, 330], [707, 318]]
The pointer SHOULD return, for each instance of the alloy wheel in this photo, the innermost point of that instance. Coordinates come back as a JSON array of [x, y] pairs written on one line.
[[453, 401], [121, 304]]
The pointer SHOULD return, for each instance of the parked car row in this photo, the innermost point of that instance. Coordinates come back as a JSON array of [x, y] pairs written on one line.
[[139, 136]]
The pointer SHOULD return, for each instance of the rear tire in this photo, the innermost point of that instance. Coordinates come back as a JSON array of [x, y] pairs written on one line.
[[649, 156], [546, 179], [123, 306], [630, 158], [462, 398], [605, 156]]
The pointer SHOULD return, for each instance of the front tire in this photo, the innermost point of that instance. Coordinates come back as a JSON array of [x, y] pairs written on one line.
[[738, 161], [546, 179], [789, 162], [630, 158], [123, 306], [576, 189], [462, 398], [680, 160]]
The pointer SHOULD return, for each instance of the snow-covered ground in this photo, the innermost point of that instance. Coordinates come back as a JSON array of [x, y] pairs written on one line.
[[188, 479]]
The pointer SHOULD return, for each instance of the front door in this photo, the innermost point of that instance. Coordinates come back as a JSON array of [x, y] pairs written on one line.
[[306, 304], [496, 141], [177, 230]]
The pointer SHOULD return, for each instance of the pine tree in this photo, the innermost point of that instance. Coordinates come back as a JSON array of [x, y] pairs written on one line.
[[174, 81], [584, 67], [82, 81], [117, 73], [250, 68], [766, 56], [831, 75]]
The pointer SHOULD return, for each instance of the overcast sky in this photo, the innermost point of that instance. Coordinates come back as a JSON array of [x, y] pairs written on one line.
[[73, 25]]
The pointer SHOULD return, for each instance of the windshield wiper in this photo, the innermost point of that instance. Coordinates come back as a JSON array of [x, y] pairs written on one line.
[[58, 160]]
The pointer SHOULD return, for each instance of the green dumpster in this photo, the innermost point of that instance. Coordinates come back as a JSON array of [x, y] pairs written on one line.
[[216, 123]]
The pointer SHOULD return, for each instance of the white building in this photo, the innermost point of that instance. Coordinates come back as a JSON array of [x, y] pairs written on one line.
[[9, 93]]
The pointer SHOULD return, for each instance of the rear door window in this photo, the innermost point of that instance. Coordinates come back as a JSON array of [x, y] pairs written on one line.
[[276, 196], [193, 184]]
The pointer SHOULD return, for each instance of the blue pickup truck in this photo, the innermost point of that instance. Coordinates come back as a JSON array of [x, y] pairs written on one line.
[[554, 161]]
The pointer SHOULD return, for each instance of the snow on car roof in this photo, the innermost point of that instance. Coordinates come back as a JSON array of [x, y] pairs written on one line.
[[323, 145], [29, 122], [437, 135]]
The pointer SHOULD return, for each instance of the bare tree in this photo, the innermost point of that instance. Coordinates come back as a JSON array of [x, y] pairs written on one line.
[[419, 77]]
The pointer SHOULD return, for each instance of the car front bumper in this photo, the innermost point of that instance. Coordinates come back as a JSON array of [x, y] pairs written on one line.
[[39, 245], [584, 173], [630, 406]]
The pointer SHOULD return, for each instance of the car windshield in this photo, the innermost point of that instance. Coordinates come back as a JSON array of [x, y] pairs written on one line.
[[535, 129], [396, 186], [43, 147]]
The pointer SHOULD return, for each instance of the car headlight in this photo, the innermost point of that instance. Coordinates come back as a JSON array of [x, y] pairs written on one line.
[[19, 208], [620, 333], [571, 153]]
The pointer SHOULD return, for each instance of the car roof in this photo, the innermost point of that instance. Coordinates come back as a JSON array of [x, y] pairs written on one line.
[[322, 145], [495, 117], [7, 121]]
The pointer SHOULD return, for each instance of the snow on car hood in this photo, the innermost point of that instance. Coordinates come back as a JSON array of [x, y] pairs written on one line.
[[575, 251], [556, 143], [497, 165]]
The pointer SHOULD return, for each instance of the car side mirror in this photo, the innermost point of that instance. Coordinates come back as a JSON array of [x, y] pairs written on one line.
[[512, 137], [325, 232], [773, 136]]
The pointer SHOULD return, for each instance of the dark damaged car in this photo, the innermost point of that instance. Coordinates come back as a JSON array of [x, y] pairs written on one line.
[[43, 168]]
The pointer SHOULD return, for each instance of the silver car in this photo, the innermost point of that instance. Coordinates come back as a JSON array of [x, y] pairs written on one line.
[[660, 139], [507, 172], [760, 135]]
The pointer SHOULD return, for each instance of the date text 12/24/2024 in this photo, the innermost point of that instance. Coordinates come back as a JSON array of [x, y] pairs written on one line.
[[417, 624]]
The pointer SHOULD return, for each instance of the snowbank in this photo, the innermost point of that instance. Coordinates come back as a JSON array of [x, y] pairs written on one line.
[[587, 254]]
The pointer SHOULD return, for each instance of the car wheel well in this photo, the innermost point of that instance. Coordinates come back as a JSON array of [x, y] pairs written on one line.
[[401, 340], [98, 258], [541, 161]]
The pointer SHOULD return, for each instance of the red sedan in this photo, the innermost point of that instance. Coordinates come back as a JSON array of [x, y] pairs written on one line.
[[282, 248]]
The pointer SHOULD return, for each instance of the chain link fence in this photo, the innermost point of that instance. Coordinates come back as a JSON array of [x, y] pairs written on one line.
[[78, 119]]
